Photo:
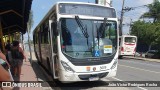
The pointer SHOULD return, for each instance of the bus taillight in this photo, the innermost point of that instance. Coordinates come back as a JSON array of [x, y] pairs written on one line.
[[135, 49], [122, 49]]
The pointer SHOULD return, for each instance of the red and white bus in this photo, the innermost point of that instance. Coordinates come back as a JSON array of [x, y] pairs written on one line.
[[127, 45]]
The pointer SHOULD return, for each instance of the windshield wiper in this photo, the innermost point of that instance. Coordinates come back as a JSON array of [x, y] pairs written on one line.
[[102, 27], [82, 27], [100, 31]]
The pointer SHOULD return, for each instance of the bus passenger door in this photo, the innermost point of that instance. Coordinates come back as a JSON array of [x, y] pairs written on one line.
[[53, 39]]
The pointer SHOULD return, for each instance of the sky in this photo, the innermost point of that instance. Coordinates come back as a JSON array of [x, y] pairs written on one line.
[[41, 7]]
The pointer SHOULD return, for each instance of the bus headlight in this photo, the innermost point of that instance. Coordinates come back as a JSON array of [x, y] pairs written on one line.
[[115, 63], [67, 67]]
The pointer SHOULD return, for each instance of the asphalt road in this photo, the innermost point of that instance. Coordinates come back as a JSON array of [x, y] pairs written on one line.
[[128, 70], [138, 70]]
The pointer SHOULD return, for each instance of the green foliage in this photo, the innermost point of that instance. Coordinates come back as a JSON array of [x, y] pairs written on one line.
[[30, 21], [110, 32], [157, 33], [147, 33], [154, 11]]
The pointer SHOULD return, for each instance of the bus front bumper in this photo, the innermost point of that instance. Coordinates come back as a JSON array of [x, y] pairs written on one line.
[[67, 77], [127, 53]]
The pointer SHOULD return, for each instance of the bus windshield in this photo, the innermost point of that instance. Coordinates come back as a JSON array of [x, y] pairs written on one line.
[[130, 39], [98, 43]]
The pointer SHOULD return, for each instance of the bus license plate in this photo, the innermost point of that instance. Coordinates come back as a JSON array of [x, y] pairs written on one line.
[[93, 78]]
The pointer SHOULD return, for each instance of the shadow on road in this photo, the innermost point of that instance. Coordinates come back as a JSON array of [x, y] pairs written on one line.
[[79, 85], [42, 74]]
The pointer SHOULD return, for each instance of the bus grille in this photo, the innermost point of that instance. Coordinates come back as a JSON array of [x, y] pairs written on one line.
[[87, 76]]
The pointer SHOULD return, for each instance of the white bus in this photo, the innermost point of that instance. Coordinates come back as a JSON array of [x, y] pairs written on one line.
[[127, 45], [78, 41]]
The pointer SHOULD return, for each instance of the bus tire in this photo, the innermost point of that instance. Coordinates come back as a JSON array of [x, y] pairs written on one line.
[[38, 62], [120, 57], [49, 66]]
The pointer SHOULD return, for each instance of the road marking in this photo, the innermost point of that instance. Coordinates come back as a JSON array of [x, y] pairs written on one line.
[[153, 65], [126, 82], [139, 69], [117, 79]]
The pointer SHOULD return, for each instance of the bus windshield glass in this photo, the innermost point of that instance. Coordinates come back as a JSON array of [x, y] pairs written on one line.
[[130, 39], [75, 44]]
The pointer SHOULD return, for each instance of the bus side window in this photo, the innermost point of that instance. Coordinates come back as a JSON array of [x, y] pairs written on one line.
[[54, 36], [119, 41], [54, 28]]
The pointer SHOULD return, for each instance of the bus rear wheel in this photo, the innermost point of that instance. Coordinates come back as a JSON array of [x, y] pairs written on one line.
[[120, 57]]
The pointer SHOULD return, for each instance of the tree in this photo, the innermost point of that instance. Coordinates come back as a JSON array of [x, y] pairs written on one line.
[[147, 33], [29, 26], [30, 21], [154, 11], [157, 35]]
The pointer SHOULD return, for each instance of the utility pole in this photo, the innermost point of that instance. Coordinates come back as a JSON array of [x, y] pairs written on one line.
[[121, 19], [130, 26]]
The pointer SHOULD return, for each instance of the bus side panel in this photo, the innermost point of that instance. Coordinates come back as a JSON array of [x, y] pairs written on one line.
[[45, 45], [39, 47], [35, 42], [36, 51], [46, 56]]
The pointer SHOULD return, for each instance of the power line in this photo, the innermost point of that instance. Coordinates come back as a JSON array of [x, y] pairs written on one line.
[[127, 9], [133, 8], [140, 6]]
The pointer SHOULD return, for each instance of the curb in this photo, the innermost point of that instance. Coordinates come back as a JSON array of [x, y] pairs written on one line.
[[144, 59]]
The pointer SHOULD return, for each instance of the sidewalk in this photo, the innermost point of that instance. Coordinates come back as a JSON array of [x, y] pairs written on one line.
[[145, 59], [27, 74]]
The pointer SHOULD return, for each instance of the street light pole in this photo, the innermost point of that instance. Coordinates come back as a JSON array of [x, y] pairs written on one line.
[[121, 19]]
